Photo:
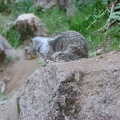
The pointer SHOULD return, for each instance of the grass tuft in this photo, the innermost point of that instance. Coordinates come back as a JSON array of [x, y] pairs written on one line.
[[55, 21]]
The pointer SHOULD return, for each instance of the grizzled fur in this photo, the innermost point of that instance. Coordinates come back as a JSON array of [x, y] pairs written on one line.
[[67, 46]]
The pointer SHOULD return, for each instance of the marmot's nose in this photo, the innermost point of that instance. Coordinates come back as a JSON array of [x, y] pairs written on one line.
[[27, 49]]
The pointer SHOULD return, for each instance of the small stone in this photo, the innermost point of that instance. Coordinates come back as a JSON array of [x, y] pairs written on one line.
[[100, 56], [99, 52], [116, 74], [2, 86], [96, 60]]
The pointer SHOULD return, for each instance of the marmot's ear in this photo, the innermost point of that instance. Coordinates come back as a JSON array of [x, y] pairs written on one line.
[[34, 41], [36, 44], [31, 40]]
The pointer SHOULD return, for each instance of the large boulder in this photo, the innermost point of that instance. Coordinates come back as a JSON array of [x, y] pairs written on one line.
[[88, 89], [29, 25], [6, 51]]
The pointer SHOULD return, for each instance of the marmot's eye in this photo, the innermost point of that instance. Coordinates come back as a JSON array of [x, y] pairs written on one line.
[[26, 49], [60, 53]]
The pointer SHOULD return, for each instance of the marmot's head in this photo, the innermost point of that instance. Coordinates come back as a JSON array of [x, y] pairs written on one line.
[[30, 53], [38, 45]]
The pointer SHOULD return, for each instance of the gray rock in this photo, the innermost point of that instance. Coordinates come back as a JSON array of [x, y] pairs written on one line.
[[73, 91], [67, 6], [29, 25], [54, 99], [45, 4], [6, 50], [2, 55]]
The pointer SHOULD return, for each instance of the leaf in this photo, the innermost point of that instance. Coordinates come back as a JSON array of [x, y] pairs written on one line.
[[116, 13], [117, 6], [115, 17]]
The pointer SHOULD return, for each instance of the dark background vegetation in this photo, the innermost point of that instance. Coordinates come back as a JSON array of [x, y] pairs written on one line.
[[91, 19]]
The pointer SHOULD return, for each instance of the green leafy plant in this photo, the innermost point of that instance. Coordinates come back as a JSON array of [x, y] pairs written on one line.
[[6, 6], [87, 21], [90, 19], [3, 6], [13, 38], [8, 32], [116, 14], [114, 38]]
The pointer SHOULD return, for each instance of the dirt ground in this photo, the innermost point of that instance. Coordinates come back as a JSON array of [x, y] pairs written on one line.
[[18, 72]]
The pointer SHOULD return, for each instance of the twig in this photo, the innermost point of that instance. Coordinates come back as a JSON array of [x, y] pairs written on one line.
[[109, 23]]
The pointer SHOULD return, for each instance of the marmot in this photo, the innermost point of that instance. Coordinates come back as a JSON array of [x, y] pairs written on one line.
[[67, 46]]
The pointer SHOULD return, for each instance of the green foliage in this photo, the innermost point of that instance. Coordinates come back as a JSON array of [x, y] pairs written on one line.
[[90, 16], [13, 38], [2, 6], [116, 15], [87, 21], [6, 6], [113, 32], [8, 32], [114, 38], [55, 20], [2, 24], [80, 4], [25, 6]]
